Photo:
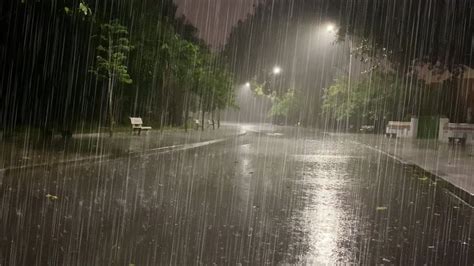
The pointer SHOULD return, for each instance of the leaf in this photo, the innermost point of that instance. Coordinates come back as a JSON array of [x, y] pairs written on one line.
[[52, 197], [101, 48], [84, 8], [423, 178]]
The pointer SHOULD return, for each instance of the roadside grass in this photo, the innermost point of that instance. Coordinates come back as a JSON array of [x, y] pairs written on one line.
[[30, 145]]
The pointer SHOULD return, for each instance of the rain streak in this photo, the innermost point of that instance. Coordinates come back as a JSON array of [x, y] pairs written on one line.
[[236, 132]]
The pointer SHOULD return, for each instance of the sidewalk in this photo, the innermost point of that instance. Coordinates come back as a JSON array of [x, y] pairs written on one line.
[[454, 164], [20, 153]]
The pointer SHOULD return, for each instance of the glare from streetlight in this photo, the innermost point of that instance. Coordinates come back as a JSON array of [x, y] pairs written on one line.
[[330, 27], [276, 70]]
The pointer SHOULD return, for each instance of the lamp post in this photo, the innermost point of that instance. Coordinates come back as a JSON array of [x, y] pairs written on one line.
[[331, 28]]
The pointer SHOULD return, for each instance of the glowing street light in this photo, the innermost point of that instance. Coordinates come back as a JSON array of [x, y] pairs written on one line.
[[276, 70], [247, 84], [330, 27]]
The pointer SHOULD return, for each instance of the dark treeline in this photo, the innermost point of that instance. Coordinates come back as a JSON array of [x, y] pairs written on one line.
[[427, 45], [66, 65], [407, 30], [399, 38]]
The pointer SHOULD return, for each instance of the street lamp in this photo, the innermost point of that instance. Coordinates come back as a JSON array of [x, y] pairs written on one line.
[[330, 27], [276, 70]]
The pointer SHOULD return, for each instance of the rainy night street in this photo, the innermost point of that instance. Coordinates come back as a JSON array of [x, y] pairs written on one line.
[[275, 195], [236, 132]]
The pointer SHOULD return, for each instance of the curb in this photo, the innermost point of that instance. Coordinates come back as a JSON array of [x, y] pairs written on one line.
[[133, 154], [458, 192]]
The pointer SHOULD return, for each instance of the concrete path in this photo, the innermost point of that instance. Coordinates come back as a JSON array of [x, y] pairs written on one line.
[[455, 164]]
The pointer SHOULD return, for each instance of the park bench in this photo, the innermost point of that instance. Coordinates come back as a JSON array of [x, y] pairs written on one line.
[[137, 125], [196, 123], [209, 123], [396, 129], [457, 138], [367, 129]]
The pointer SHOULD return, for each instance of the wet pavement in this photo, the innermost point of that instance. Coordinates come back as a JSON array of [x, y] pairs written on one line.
[[270, 197], [453, 163]]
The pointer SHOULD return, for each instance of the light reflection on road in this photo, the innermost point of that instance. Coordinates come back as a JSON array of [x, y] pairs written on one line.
[[325, 215]]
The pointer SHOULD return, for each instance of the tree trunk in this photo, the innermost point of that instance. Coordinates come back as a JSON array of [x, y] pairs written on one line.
[[202, 120], [110, 89], [212, 120], [186, 112], [110, 103], [218, 119], [163, 111]]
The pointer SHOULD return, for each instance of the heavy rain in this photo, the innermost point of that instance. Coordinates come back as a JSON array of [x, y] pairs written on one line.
[[236, 132]]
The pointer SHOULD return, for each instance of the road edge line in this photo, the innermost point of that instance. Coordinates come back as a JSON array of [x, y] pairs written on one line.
[[459, 192], [109, 157]]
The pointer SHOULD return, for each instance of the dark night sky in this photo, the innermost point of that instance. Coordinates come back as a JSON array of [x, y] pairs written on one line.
[[215, 18]]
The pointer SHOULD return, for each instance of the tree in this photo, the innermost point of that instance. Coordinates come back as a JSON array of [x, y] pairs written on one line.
[[407, 32], [44, 80], [166, 65], [186, 70], [376, 97], [112, 51], [214, 86], [283, 106], [224, 94]]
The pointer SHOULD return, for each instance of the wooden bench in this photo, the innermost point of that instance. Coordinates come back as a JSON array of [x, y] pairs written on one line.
[[137, 125], [367, 129], [457, 138], [396, 129], [196, 123], [209, 123]]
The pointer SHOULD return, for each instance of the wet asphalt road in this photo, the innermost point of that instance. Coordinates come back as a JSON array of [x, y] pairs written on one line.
[[270, 197]]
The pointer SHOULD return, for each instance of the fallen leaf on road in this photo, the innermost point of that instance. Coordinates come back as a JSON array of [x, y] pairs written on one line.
[[423, 178], [51, 197]]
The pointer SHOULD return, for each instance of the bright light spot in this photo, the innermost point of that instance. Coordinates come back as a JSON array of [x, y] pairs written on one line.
[[276, 70], [247, 84], [330, 28]]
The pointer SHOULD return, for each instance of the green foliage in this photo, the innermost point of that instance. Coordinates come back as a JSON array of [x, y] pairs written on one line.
[[257, 88], [374, 97], [174, 72], [215, 85], [283, 105], [111, 57], [82, 10], [112, 52]]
